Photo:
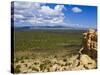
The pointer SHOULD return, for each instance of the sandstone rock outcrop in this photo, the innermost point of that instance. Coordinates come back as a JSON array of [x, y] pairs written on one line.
[[88, 53]]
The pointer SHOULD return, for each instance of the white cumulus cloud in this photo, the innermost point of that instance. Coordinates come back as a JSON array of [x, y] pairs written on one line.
[[49, 11], [76, 10], [59, 7], [35, 13]]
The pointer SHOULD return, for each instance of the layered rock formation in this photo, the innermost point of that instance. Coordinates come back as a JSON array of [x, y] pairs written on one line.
[[88, 53]]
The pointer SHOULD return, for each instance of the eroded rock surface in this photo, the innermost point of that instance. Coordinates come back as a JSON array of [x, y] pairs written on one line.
[[88, 52]]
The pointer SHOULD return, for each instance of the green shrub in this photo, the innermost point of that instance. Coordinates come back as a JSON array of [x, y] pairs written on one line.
[[26, 58], [65, 60], [17, 69], [22, 61], [35, 69], [17, 60], [42, 67], [29, 67], [66, 64], [25, 65], [36, 63], [18, 66]]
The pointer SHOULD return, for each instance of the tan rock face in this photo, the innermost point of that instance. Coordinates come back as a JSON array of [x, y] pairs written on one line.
[[87, 62], [89, 43], [88, 52]]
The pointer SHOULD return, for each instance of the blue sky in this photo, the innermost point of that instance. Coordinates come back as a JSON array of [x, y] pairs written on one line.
[[43, 14]]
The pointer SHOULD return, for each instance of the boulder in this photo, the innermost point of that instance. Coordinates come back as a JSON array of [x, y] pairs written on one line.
[[87, 62]]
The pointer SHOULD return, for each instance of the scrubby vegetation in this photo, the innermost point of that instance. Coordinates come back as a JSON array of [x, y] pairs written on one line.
[[47, 39], [17, 69], [48, 51]]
